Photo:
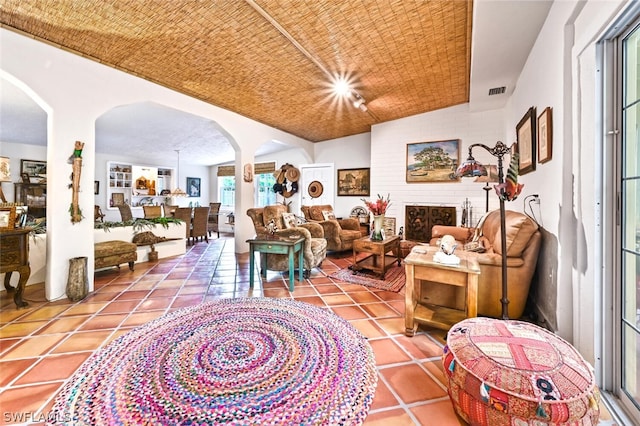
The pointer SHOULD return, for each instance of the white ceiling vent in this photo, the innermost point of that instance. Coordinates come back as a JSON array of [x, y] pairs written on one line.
[[497, 91]]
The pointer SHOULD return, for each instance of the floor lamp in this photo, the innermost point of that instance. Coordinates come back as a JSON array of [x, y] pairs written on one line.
[[472, 168], [489, 178]]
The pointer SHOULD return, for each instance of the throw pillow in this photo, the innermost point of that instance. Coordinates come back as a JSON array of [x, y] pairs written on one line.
[[290, 220], [328, 215]]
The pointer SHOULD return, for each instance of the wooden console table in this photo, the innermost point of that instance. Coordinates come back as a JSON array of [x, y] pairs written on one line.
[[276, 246], [379, 261], [14, 256], [421, 266]]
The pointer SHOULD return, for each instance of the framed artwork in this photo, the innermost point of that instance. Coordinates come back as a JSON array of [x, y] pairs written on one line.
[[433, 161], [117, 199], [193, 186], [96, 187], [545, 136], [7, 218], [37, 170], [354, 182], [526, 137]]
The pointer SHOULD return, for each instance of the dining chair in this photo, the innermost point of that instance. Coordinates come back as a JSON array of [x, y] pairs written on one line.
[[151, 212], [184, 214], [125, 212], [199, 228], [213, 222]]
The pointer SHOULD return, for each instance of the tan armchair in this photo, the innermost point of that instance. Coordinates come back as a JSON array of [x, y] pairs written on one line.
[[523, 246], [339, 233], [315, 246]]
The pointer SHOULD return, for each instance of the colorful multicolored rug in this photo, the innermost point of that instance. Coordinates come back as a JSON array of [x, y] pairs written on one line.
[[394, 279], [234, 361]]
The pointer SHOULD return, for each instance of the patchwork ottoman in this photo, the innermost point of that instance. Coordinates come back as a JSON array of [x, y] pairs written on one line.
[[503, 372], [113, 253]]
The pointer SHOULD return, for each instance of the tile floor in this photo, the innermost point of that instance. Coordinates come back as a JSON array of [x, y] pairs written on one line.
[[42, 345]]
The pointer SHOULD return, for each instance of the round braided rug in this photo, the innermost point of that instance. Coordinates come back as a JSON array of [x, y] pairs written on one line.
[[235, 361]]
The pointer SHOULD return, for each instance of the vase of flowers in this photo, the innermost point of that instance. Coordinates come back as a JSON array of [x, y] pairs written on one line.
[[378, 209]]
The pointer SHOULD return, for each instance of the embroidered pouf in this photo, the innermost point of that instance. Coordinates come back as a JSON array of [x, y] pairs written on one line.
[[512, 373]]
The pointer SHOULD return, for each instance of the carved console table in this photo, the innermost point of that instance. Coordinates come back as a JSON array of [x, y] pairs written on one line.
[[14, 256]]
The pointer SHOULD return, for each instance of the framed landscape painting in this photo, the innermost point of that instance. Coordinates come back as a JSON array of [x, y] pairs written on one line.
[[354, 182], [433, 161]]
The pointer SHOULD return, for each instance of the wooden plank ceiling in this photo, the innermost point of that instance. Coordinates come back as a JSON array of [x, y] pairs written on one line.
[[404, 57]]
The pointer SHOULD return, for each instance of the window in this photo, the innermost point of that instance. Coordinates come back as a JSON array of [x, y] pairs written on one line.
[[265, 196], [227, 190]]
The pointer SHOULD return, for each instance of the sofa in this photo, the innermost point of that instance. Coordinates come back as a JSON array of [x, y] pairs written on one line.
[[339, 233], [523, 246], [315, 246]]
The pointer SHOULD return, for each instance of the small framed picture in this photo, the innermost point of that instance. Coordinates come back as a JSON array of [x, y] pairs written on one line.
[[7, 218], [96, 187], [526, 136], [545, 136], [193, 186], [37, 170]]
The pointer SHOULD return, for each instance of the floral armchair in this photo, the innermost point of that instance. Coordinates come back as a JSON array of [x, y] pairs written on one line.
[[339, 233], [315, 246]]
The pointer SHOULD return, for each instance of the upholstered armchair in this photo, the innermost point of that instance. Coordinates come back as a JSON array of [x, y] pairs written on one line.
[[339, 233], [315, 246], [523, 245]]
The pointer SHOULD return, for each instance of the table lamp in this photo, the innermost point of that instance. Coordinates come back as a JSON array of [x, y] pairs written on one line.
[[472, 168], [5, 175]]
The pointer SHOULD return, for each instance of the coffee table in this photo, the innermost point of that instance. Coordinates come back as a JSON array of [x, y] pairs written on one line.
[[379, 261], [265, 246], [420, 266]]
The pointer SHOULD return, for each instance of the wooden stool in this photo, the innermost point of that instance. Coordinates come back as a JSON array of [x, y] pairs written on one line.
[[113, 253], [503, 372]]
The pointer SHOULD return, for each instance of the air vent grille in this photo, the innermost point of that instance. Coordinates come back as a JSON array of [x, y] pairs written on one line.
[[497, 90]]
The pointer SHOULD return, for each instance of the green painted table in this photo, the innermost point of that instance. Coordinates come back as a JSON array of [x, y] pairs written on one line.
[[276, 245]]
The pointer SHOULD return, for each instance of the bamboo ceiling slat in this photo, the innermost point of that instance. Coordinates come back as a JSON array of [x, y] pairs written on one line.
[[404, 57]]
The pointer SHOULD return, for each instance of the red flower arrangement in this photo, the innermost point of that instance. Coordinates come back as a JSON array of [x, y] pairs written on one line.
[[379, 206]]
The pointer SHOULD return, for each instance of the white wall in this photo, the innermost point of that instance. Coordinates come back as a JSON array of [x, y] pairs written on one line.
[[350, 152], [389, 158]]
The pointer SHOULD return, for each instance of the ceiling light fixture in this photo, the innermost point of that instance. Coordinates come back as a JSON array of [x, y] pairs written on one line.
[[341, 86], [178, 192], [359, 101]]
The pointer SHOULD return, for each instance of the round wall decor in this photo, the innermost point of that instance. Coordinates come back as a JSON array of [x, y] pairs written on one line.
[[315, 189]]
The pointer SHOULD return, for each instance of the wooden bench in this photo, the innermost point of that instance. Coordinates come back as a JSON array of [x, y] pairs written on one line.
[[113, 253]]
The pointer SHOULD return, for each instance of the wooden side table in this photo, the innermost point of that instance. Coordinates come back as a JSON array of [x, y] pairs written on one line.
[[421, 266], [14, 256], [379, 261], [276, 246]]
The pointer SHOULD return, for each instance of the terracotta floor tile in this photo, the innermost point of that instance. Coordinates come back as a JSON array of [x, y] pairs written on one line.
[[54, 367], [103, 322], [6, 344], [63, 325], [379, 310], [328, 289], [387, 352], [9, 370], [420, 346], [393, 325], [364, 297], [21, 329], [120, 306], [163, 292], [435, 368], [412, 384], [441, 410], [20, 404], [349, 312], [45, 312], [139, 318], [384, 397], [132, 295], [86, 308], [337, 299], [396, 417], [154, 304], [83, 341], [101, 297], [368, 328], [313, 300], [300, 291], [33, 346], [182, 302]]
